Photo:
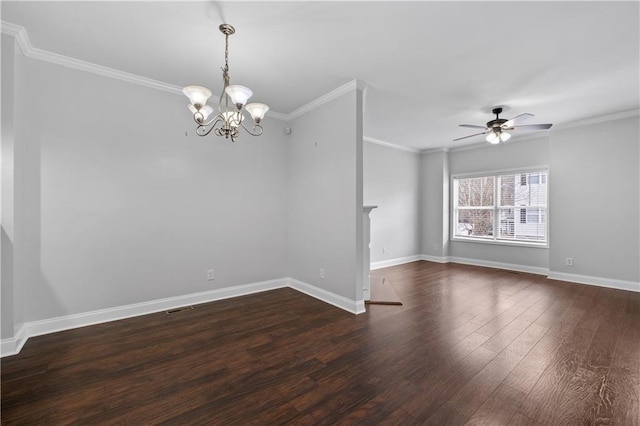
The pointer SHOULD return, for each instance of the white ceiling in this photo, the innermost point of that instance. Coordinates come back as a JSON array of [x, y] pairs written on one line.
[[429, 66]]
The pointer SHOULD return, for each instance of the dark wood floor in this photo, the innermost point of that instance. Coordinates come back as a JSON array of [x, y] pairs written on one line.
[[469, 345]]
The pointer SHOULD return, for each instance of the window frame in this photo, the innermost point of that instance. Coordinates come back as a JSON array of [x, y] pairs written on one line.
[[496, 208]]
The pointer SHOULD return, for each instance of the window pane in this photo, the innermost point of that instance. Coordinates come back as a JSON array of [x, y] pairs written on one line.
[[507, 224], [533, 215], [507, 190], [533, 194], [476, 192], [463, 192], [474, 222], [534, 228]]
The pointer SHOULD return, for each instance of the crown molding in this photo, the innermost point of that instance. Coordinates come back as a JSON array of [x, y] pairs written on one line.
[[435, 150], [22, 39], [19, 33], [390, 145], [336, 93], [598, 119], [278, 115]]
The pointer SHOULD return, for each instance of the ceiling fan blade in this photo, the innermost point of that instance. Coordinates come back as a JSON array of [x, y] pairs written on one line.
[[470, 136], [473, 126], [517, 119], [534, 126]]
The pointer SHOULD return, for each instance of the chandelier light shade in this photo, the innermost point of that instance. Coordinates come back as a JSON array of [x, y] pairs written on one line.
[[239, 94], [257, 111], [198, 95], [232, 102]]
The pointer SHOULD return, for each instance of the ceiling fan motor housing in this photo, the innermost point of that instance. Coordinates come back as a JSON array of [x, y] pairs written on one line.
[[498, 122]]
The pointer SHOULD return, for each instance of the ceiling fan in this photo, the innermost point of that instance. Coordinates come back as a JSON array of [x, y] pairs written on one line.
[[496, 128]]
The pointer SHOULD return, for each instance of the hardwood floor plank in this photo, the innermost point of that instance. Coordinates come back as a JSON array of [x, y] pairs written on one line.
[[469, 344], [459, 408], [568, 386], [499, 408], [620, 393]]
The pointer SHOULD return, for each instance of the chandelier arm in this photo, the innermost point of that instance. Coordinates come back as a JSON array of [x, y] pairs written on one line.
[[201, 123], [255, 126], [204, 129]]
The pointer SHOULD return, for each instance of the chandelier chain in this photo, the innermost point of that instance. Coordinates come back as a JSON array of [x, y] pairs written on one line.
[[225, 70]]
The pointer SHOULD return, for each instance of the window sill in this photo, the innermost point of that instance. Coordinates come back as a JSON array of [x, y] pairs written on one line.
[[544, 245]]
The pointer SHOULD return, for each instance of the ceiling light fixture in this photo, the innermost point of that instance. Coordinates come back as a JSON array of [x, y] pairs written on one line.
[[497, 136], [230, 105], [496, 129]]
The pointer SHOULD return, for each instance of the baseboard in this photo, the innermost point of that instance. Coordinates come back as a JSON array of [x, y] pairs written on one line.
[[354, 307], [500, 265], [597, 281], [395, 262], [560, 276], [52, 325], [437, 259], [13, 345]]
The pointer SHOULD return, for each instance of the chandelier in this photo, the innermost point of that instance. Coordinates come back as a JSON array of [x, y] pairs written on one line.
[[230, 105]]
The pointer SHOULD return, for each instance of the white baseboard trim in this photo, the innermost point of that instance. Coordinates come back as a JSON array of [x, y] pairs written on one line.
[[552, 275], [13, 345], [53, 325], [500, 265], [354, 307], [597, 281], [395, 262], [436, 259]]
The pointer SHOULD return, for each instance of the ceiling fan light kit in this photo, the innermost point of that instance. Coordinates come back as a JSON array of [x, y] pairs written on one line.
[[497, 127], [232, 102]]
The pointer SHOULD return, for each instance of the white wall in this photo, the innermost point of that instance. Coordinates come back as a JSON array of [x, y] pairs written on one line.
[[515, 154], [594, 200], [325, 196], [127, 209], [392, 182]]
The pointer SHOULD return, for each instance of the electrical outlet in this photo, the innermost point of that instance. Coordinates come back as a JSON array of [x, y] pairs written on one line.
[[568, 261], [210, 275], [322, 273], [384, 250]]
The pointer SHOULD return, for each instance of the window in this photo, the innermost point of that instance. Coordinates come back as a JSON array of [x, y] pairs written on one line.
[[502, 207], [523, 179]]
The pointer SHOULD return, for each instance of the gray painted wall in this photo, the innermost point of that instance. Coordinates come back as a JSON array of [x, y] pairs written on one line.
[[7, 199], [594, 199], [519, 153], [435, 203], [325, 196], [392, 182], [125, 208]]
